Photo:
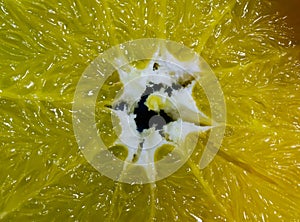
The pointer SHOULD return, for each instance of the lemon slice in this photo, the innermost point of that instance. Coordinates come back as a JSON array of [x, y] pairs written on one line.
[[47, 45]]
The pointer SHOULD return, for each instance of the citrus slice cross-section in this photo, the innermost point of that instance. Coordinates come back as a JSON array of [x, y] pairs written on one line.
[[47, 44], [155, 109]]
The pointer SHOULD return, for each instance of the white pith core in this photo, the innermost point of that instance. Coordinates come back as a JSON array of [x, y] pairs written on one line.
[[173, 96]]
